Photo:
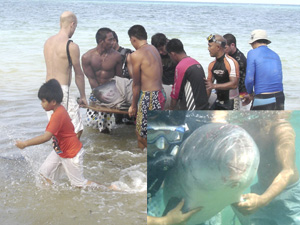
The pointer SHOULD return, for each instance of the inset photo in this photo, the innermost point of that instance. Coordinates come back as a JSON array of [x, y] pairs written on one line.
[[223, 167]]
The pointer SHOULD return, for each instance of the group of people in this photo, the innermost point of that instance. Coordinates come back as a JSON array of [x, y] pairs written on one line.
[[233, 79]]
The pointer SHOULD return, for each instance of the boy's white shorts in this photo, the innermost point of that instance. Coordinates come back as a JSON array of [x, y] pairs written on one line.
[[73, 167]]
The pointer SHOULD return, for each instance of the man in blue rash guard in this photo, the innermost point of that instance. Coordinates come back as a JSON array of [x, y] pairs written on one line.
[[264, 75]]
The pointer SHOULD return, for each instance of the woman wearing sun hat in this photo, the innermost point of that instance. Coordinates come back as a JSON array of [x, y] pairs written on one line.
[[264, 74]]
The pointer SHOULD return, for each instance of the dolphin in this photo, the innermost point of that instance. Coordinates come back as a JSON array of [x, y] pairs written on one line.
[[107, 93], [214, 165], [117, 93]]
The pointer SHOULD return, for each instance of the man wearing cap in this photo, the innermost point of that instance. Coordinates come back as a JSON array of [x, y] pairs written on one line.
[[225, 70], [264, 74]]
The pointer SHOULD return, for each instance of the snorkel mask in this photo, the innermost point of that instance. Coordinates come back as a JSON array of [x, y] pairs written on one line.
[[164, 139], [212, 38]]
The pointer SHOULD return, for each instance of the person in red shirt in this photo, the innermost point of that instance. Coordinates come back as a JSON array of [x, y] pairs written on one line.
[[68, 151]]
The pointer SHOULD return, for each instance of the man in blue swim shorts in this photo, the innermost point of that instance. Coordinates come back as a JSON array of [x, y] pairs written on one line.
[[264, 75]]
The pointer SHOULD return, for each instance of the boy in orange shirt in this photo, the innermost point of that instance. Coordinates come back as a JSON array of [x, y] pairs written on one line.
[[68, 151]]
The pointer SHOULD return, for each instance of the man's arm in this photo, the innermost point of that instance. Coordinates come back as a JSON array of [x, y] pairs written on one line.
[[79, 76], [284, 138], [231, 84], [250, 72], [136, 84], [88, 70], [118, 67]]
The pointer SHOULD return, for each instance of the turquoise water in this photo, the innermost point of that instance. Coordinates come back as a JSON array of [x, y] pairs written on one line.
[[193, 120]]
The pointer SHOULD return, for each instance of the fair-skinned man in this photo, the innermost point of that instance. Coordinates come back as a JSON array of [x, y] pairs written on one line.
[[146, 69], [59, 66], [225, 71]]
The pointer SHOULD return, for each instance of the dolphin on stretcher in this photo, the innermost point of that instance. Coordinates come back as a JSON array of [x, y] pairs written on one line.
[[214, 165], [117, 93]]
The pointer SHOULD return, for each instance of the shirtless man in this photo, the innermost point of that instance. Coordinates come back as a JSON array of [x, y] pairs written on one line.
[[146, 68], [100, 64], [276, 196], [59, 66]]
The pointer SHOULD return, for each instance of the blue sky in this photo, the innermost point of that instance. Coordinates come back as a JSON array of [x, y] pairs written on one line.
[[293, 2]]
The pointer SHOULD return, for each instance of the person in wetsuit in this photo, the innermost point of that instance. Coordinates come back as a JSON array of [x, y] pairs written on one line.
[[189, 89], [124, 53], [225, 70], [159, 41], [232, 50], [264, 74], [161, 159]]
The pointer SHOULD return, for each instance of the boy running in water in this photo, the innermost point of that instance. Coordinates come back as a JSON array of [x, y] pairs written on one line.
[[68, 151]]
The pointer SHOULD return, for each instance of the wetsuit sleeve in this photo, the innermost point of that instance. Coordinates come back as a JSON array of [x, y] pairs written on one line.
[[232, 66], [250, 72]]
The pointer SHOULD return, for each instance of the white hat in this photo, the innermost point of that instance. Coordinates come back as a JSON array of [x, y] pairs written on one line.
[[259, 35]]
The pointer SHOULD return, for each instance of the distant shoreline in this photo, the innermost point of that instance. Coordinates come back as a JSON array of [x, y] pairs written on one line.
[[220, 2]]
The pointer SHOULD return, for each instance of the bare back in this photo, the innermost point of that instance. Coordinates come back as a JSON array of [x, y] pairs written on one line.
[[149, 61], [57, 64]]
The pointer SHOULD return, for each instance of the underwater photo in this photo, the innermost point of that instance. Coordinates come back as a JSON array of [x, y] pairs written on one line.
[[223, 167]]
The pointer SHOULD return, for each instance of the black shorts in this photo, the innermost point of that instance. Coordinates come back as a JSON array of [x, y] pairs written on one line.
[[268, 101]]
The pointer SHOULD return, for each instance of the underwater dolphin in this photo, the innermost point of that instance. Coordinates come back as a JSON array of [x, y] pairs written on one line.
[[215, 164]]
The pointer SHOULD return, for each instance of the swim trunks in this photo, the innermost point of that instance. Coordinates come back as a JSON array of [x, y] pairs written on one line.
[[154, 100], [273, 101], [71, 105], [103, 121], [282, 210]]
